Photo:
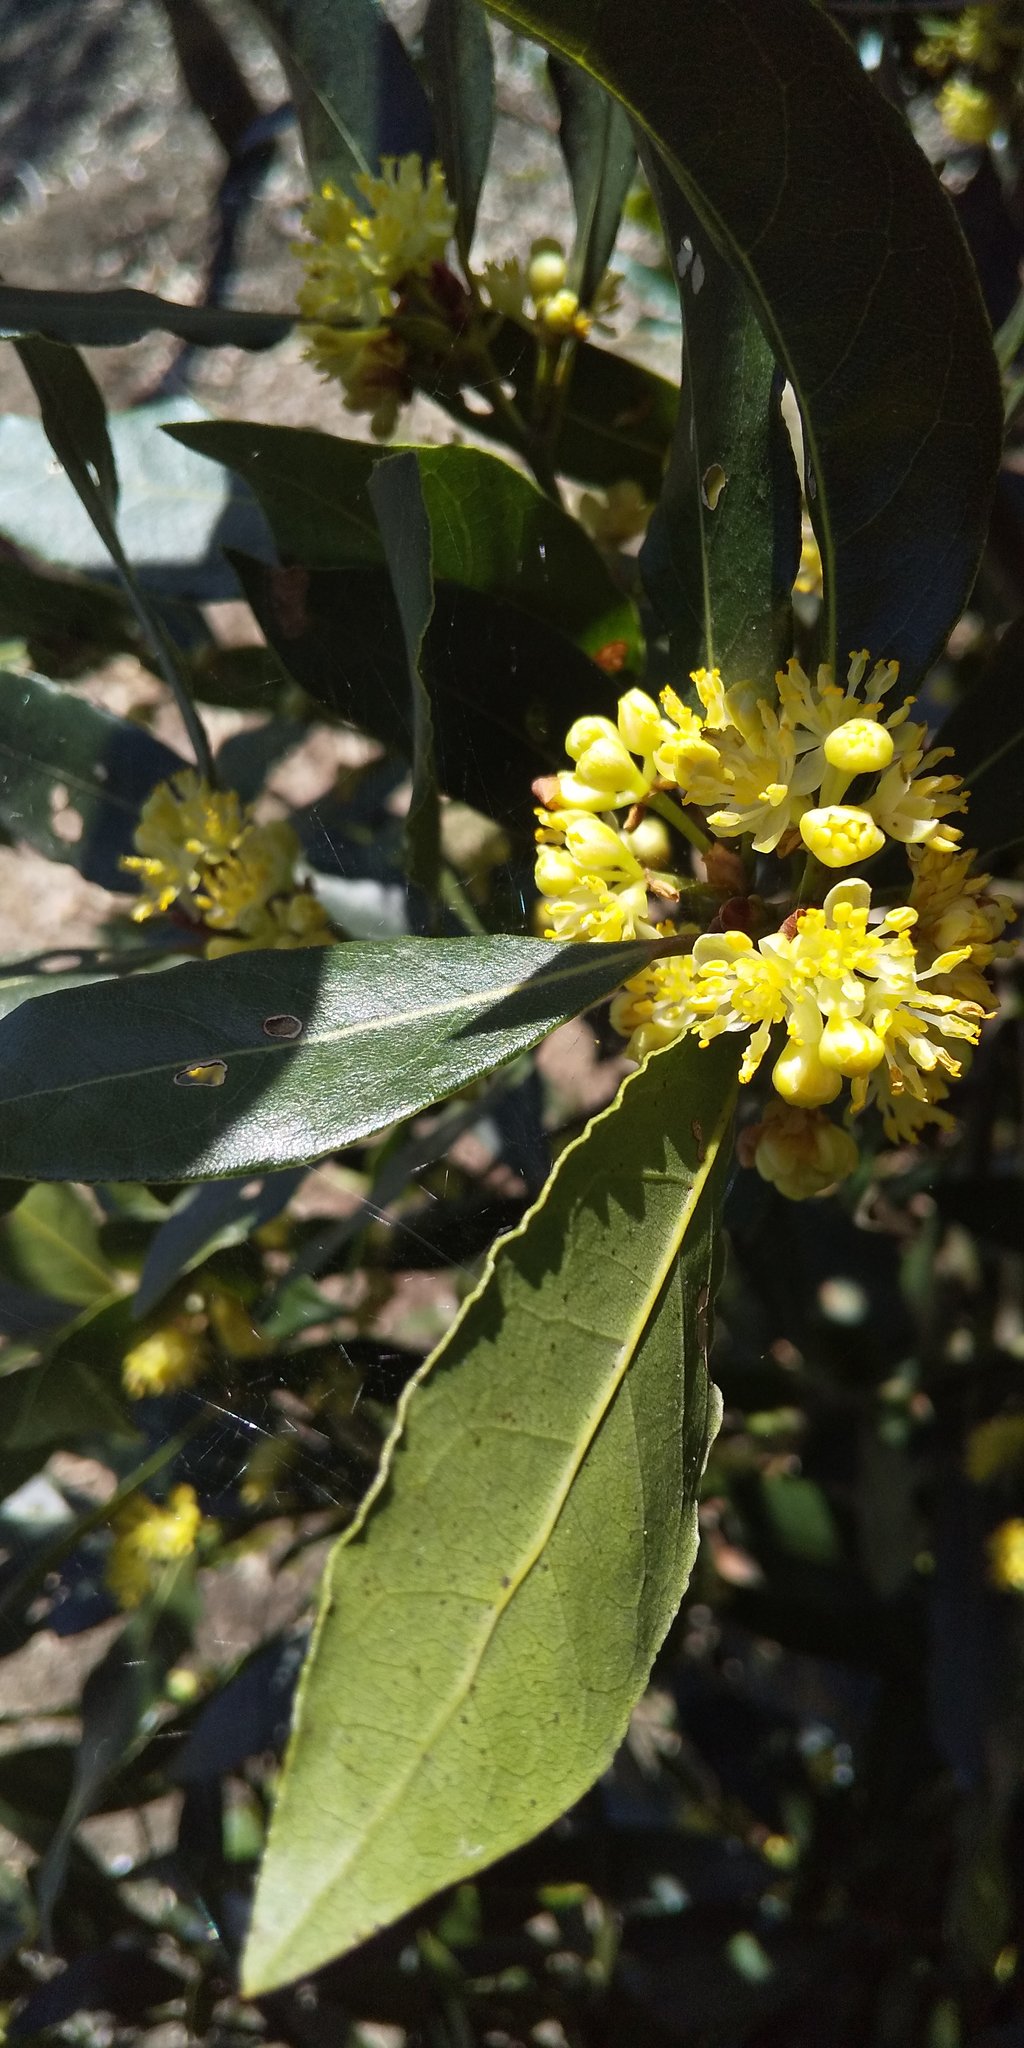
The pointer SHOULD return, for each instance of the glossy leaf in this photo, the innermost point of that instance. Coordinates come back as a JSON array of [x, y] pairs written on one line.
[[72, 778], [600, 154], [173, 1077], [723, 545], [356, 92], [856, 266], [460, 71], [986, 733], [535, 1533], [118, 318], [397, 497], [493, 531], [505, 686]]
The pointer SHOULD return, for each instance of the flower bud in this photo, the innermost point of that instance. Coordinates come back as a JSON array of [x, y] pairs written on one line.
[[546, 272], [599, 848], [860, 746], [651, 842], [640, 722], [560, 315], [800, 1077], [850, 1047], [556, 872], [838, 835]]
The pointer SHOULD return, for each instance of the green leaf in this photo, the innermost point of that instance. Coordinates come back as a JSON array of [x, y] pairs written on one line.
[[723, 545], [493, 530], [51, 1242], [356, 92], [526, 1544], [397, 498], [72, 778], [460, 73], [88, 1076], [505, 686], [116, 319], [204, 1220], [858, 272], [986, 733], [597, 144], [68, 624]]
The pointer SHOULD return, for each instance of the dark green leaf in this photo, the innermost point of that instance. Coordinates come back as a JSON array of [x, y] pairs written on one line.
[[504, 686], [723, 545], [857, 269], [535, 1533], [986, 733], [618, 418], [72, 778], [492, 530], [460, 72], [88, 1076], [116, 319], [75, 423], [356, 92], [597, 144], [397, 498], [205, 1220], [67, 623]]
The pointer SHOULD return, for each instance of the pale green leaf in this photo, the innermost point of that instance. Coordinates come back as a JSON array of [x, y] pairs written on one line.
[[490, 1622]]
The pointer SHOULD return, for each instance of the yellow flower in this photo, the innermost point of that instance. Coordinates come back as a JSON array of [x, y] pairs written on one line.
[[799, 1151], [1006, 1556], [616, 515], [171, 1357], [358, 256], [979, 37], [995, 1447], [372, 367], [969, 111], [183, 825], [198, 846], [954, 910], [850, 997], [593, 884], [147, 1538], [839, 835], [546, 271]]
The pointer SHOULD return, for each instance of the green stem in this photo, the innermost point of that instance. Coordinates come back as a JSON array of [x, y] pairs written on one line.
[[674, 815]]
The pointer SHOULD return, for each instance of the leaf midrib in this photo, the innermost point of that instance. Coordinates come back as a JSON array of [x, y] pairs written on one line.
[[531, 1557]]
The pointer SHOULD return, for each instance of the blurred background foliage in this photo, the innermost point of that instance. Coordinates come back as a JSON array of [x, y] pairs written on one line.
[[814, 1830]]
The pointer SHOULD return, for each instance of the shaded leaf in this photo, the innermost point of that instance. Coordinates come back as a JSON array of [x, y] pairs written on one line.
[[118, 318], [72, 778], [51, 1242], [67, 623], [357, 95], [857, 269], [87, 1076], [397, 499], [540, 1524], [617, 419], [986, 733], [597, 144], [504, 686], [460, 73], [204, 1220], [493, 531], [723, 544]]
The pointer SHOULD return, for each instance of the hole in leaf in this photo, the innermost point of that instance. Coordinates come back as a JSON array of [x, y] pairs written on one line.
[[208, 1074], [283, 1026], [712, 485]]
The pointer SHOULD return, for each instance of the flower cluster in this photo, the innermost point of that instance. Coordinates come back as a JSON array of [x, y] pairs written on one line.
[[362, 260], [171, 1357], [148, 1538], [871, 1004], [976, 55], [537, 294], [199, 851]]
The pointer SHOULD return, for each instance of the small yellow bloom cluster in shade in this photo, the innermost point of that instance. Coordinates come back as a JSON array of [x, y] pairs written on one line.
[[172, 1357], [200, 852], [1006, 1556], [977, 55], [873, 1004], [362, 258], [148, 1538], [537, 295]]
